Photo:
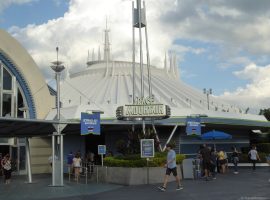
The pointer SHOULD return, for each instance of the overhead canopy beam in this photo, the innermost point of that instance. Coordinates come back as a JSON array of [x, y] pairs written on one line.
[[169, 139]]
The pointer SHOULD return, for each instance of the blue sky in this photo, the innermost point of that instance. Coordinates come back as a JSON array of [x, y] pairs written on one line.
[[221, 45], [204, 70], [36, 12]]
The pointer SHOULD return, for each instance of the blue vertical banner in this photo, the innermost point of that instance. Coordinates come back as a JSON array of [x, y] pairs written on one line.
[[90, 123], [193, 126]]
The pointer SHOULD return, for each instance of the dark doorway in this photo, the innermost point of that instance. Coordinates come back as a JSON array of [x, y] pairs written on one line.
[[4, 149], [91, 145]]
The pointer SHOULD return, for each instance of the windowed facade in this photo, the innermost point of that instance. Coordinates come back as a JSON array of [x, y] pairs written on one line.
[[11, 100], [11, 96]]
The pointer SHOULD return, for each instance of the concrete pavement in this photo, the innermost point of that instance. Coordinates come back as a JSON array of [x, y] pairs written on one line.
[[247, 185]]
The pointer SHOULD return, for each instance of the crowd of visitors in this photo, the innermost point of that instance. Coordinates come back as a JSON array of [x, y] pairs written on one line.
[[214, 161]]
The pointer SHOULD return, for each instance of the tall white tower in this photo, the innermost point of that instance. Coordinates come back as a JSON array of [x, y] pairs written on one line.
[[139, 21]]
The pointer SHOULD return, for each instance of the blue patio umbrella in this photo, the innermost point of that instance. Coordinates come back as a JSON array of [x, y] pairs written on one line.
[[215, 135]]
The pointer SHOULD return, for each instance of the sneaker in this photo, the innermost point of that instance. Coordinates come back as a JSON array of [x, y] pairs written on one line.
[[161, 188], [180, 187], [235, 172]]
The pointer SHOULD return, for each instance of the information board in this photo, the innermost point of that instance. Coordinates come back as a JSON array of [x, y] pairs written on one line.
[[101, 149], [147, 148]]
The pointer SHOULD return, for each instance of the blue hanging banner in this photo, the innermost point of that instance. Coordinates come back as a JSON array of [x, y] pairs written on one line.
[[193, 126], [90, 123]]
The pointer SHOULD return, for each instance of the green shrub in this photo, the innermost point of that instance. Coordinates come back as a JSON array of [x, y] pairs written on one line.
[[136, 161]]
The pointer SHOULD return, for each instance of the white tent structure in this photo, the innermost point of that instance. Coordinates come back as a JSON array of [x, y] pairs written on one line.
[[106, 84]]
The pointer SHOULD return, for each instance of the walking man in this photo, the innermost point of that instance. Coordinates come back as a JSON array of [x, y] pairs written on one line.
[[254, 156], [171, 168]]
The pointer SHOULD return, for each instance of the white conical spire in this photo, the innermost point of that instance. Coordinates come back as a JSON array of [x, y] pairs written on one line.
[[171, 63], [106, 44], [93, 55], [173, 57], [175, 66], [165, 63], [99, 54], [88, 56]]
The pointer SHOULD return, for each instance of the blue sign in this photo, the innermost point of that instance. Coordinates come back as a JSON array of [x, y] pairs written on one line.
[[147, 148], [193, 126], [90, 124], [101, 149]]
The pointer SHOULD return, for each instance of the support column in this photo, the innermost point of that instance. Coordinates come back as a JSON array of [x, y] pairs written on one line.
[[53, 160], [157, 137], [28, 160], [61, 159]]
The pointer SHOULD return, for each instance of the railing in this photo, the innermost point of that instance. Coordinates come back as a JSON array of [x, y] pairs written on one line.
[[88, 171]]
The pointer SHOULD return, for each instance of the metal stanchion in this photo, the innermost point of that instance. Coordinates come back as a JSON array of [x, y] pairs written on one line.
[[69, 172], [86, 175], [147, 160], [97, 174], [106, 174]]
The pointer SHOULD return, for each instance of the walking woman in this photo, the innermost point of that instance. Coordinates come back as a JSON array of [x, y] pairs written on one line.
[[6, 164], [77, 166]]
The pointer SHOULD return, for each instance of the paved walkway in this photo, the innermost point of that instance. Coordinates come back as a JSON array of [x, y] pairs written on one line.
[[247, 185]]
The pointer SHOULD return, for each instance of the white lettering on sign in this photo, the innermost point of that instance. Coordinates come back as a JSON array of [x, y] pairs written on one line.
[[90, 121], [194, 123], [144, 101], [144, 110]]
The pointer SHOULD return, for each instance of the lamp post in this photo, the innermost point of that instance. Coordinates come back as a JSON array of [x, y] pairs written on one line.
[[207, 92], [57, 67]]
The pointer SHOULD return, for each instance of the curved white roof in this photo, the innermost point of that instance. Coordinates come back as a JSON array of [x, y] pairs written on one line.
[[107, 85], [26, 66]]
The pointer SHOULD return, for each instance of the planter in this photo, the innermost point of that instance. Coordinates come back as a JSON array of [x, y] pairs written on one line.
[[133, 176]]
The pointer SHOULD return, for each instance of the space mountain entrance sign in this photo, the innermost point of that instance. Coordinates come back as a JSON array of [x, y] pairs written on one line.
[[143, 109]]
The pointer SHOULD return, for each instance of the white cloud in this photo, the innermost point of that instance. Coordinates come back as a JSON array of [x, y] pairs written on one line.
[[81, 28], [255, 94], [239, 28]]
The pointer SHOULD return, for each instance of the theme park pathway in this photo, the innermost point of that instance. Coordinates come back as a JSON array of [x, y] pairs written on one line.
[[247, 185]]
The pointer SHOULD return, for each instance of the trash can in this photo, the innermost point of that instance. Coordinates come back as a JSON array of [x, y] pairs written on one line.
[[188, 168], [197, 168]]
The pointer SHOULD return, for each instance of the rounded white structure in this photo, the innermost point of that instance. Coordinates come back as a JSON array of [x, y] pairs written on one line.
[[106, 85]]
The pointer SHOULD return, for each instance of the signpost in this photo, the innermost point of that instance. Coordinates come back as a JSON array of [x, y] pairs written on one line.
[[101, 151], [90, 123], [147, 151]]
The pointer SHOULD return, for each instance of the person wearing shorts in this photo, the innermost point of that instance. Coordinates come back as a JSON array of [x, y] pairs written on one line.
[[171, 168]]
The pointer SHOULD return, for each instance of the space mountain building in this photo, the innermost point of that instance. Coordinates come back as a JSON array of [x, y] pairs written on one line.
[[105, 84]]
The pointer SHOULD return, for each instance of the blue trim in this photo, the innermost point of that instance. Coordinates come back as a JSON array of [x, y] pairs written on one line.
[[24, 86]]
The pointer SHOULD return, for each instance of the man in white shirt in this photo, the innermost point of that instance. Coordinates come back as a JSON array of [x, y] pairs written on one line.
[[254, 156], [171, 167]]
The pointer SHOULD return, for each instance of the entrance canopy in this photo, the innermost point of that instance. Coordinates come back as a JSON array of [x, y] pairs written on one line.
[[17, 127], [21, 127]]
